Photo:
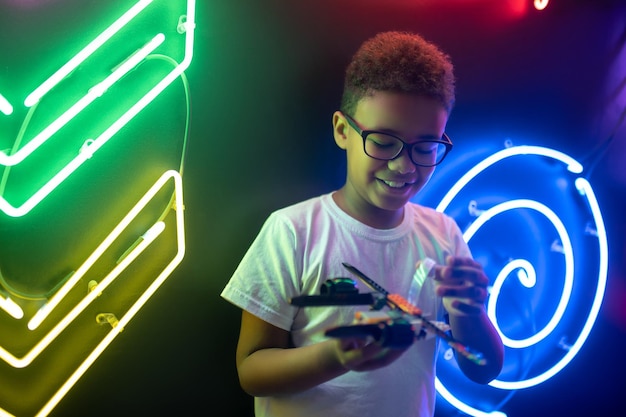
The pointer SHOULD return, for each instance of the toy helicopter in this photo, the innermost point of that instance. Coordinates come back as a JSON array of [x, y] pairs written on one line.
[[397, 327]]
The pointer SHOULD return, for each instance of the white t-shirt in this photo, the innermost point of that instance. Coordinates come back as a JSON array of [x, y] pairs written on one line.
[[301, 246]]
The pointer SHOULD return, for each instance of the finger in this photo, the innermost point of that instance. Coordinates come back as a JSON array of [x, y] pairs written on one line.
[[475, 276], [459, 261], [469, 309], [474, 293]]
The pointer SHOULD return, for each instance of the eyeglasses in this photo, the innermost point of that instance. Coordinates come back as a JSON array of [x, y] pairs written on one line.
[[386, 147]]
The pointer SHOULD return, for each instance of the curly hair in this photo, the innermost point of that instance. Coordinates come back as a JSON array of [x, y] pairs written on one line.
[[399, 62]]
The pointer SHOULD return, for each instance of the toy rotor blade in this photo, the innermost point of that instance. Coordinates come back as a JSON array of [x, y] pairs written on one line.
[[370, 282]]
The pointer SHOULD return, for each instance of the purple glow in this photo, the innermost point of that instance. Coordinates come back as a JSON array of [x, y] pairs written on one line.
[[612, 119]]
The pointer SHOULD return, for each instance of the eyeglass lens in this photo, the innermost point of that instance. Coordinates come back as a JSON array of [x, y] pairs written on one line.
[[382, 146]]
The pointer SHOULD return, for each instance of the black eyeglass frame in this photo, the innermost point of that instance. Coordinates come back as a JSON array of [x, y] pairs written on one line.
[[446, 141]]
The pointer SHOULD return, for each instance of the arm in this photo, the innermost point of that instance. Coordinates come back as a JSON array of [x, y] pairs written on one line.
[[477, 332], [463, 285], [268, 365]]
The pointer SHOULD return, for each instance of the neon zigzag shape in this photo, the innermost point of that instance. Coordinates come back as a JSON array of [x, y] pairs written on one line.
[[147, 238], [95, 144]]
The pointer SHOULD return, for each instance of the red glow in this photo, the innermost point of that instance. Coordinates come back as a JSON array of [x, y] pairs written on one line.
[[518, 8]]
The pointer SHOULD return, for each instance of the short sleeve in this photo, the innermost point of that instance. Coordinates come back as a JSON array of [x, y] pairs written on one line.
[[268, 275]]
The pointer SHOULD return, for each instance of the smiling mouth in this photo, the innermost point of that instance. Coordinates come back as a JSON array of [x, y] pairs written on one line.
[[397, 184]]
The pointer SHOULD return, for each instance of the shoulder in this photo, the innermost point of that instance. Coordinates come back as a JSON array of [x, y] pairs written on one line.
[[303, 212], [295, 218]]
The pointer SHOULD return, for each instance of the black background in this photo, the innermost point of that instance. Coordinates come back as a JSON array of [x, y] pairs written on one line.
[[265, 79]]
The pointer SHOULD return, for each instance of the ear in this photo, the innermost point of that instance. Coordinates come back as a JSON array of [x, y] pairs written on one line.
[[340, 129]]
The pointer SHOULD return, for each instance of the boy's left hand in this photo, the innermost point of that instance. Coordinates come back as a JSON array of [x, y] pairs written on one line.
[[463, 285]]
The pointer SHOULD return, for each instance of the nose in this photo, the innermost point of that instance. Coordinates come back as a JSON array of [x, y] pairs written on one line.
[[402, 163]]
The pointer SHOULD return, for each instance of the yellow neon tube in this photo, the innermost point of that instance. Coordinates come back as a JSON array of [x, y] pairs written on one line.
[[11, 307], [5, 414], [146, 240], [180, 237]]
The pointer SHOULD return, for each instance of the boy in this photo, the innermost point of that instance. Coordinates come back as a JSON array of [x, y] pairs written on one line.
[[398, 94]]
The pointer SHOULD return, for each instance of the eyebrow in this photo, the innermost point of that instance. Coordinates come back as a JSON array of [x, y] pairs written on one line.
[[399, 135], [393, 132]]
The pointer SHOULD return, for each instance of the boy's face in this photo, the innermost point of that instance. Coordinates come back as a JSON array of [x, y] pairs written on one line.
[[378, 189]]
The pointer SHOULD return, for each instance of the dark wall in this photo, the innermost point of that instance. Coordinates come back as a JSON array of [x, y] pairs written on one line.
[[265, 79]]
